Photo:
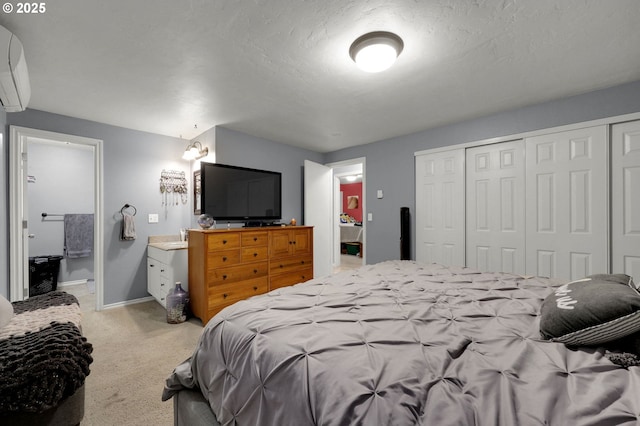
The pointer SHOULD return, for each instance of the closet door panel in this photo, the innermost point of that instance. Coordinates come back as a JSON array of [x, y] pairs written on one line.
[[495, 219], [440, 207], [566, 204], [625, 212]]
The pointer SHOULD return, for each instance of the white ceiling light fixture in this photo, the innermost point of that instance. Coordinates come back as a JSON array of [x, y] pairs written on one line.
[[376, 51], [195, 151]]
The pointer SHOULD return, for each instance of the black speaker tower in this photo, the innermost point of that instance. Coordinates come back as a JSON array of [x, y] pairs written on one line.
[[405, 234]]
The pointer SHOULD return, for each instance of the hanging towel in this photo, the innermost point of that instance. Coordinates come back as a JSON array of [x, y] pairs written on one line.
[[78, 235], [128, 231]]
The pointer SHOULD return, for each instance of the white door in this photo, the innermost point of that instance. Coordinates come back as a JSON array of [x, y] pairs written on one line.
[[495, 217], [625, 211], [440, 207], [566, 204], [318, 208]]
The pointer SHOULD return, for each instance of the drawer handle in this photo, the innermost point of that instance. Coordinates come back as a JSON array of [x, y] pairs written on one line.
[[303, 277], [151, 265], [224, 296], [281, 265], [224, 277], [161, 284], [290, 242], [302, 262], [161, 270], [255, 271], [255, 238], [255, 254], [224, 241], [255, 288], [224, 258]]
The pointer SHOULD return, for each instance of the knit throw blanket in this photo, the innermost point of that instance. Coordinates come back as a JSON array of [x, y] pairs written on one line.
[[43, 356]]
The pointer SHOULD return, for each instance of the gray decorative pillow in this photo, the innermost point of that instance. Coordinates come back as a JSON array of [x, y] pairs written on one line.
[[591, 311]]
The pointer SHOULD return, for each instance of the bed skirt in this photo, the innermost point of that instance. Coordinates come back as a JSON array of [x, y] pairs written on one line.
[[191, 409]]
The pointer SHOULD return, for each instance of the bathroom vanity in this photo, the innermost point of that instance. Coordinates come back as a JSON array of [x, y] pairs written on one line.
[[167, 263]]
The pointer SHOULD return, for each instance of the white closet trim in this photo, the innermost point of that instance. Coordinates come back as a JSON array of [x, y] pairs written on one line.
[[601, 121]]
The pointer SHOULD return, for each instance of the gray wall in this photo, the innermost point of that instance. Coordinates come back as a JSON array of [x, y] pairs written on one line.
[[133, 162], [390, 163], [59, 190], [240, 149]]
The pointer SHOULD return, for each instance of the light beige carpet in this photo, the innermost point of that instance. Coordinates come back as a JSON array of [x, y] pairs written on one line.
[[134, 350]]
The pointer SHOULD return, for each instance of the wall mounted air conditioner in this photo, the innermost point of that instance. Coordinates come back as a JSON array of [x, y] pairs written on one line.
[[15, 90]]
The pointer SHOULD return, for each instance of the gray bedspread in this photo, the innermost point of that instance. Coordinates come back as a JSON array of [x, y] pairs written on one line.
[[399, 343]]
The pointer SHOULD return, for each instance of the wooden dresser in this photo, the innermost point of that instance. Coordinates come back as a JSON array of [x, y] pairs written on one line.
[[226, 266]]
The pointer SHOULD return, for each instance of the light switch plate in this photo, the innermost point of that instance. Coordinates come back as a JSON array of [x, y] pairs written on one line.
[[380, 193], [153, 218], [369, 217]]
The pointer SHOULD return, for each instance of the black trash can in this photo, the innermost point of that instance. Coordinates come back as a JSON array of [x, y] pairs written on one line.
[[43, 274]]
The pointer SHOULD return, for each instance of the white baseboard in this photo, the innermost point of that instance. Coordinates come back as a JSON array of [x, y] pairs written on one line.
[[74, 282], [128, 302]]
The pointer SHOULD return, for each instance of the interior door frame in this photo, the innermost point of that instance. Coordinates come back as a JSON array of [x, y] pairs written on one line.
[[337, 212], [18, 238]]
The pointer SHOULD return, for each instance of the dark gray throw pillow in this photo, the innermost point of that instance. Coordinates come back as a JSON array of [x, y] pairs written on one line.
[[591, 311]]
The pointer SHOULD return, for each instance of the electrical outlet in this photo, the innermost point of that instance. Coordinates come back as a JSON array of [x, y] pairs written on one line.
[[153, 218]]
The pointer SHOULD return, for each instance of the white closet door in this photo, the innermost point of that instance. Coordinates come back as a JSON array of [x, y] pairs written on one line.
[[495, 229], [625, 212], [566, 206], [440, 207]]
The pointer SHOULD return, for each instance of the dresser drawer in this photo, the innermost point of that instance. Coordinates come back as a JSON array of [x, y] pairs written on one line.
[[252, 254], [291, 278], [225, 294], [259, 238], [237, 273], [290, 264], [223, 241], [223, 258]]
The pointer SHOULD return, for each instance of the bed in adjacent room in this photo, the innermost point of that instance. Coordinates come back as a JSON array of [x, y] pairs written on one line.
[[400, 343]]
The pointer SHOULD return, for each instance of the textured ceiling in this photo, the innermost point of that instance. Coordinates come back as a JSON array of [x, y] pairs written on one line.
[[281, 69]]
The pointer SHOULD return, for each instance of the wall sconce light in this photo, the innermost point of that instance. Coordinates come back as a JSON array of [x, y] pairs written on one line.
[[376, 51], [195, 151]]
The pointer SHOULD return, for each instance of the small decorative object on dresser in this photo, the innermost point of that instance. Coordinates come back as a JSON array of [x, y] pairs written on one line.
[[205, 221]]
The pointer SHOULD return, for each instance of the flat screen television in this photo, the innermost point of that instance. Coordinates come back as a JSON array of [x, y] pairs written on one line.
[[240, 193]]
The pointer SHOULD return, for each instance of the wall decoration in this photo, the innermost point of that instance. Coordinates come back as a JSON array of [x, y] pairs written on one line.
[[173, 187], [197, 209], [352, 202]]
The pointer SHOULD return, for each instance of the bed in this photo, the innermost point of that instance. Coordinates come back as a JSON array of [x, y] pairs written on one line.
[[44, 360], [401, 343]]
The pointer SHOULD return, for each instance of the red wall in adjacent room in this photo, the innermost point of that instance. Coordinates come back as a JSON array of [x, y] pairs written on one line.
[[348, 189]]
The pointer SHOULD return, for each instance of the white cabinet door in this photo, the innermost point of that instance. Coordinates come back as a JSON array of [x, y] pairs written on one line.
[[625, 211], [566, 206], [495, 217], [440, 207]]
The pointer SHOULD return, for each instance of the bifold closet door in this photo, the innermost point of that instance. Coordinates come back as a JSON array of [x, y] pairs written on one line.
[[440, 207], [495, 219], [566, 205], [625, 211]]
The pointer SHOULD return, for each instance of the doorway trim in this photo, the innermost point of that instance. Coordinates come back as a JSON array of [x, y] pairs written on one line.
[[336, 207], [18, 264]]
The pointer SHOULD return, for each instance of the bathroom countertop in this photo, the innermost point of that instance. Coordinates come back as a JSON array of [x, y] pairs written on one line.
[[167, 242]]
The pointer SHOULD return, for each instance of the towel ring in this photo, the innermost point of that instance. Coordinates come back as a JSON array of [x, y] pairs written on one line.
[[126, 206]]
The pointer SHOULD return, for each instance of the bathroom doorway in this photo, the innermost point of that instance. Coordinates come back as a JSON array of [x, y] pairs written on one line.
[[54, 177]]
